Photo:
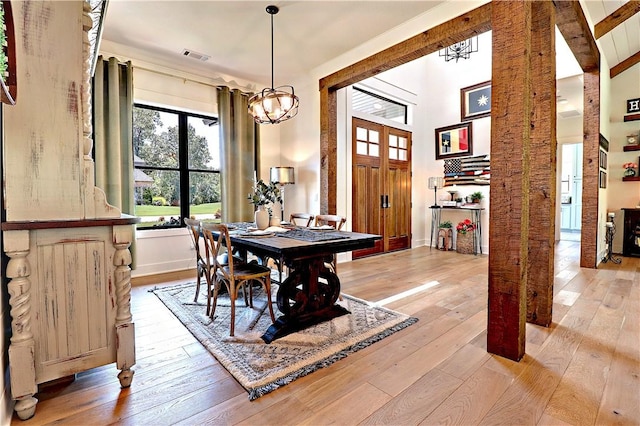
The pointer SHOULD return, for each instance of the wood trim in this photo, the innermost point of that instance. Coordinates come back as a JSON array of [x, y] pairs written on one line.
[[575, 29], [54, 224], [624, 65], [621, 14], [164, 277]]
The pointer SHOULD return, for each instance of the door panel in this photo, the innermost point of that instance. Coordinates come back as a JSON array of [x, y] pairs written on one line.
[[381, 185]]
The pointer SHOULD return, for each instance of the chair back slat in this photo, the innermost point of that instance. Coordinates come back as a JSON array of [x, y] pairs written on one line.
[[306, 218], [334, 220], [216, 246]]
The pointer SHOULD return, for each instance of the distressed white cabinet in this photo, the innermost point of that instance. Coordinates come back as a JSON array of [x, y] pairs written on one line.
[[69, 280]]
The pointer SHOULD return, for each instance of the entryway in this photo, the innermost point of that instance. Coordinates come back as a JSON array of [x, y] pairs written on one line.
[[381, 185]]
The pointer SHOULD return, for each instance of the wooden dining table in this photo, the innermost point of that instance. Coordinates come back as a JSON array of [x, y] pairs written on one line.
[[309, 293]]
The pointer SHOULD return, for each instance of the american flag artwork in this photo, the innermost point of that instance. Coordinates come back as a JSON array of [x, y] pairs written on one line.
[[473, 170]]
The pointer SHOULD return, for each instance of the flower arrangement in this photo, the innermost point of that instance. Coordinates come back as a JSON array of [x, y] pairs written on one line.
[[465, 226], [264, 194], [629, 165]]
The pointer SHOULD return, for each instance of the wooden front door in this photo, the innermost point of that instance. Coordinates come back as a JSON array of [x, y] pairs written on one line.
[[381, 185]]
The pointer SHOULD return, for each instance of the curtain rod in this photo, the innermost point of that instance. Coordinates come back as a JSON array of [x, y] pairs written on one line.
[[231, 83]]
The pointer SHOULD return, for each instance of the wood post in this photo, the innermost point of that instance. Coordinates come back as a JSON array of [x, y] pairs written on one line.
[[510, 145], [542, 181]]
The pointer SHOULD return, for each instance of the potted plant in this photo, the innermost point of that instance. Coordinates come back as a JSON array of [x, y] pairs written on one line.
[[262, 198], [476, 197], [464, 236]]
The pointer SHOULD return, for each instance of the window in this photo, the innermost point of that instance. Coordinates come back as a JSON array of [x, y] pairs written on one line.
[[176, 167]]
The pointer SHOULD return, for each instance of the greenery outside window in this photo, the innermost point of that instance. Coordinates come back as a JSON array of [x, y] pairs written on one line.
[[176, 167]]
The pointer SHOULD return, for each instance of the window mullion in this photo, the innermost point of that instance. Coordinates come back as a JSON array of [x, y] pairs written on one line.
[[183, 152]]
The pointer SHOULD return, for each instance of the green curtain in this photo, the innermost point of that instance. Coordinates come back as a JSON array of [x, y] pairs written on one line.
[[239, 150], [112, 133]]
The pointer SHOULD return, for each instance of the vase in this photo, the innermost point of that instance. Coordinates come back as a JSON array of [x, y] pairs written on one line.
[[274, 221], [262, 218], [629, 172]]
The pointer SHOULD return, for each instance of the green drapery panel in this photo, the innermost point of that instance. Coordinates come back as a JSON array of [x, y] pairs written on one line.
[[239, 148], [112, 133]]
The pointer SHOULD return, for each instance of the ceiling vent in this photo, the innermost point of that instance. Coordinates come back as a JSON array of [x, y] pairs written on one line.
[[569, 114], [195, 55]]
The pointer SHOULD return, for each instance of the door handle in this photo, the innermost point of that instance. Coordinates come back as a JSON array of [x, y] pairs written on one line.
[[386, 201], [382, 202]]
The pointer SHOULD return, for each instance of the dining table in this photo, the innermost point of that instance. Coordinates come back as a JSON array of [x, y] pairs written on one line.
[[308, 294]]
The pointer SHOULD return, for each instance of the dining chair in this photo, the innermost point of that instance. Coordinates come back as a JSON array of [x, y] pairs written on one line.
[[202, 265], [233, 275], [299, 219], [337, 222], [334, 220]]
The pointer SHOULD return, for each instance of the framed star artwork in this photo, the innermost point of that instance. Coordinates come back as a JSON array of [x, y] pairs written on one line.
[[454, 141], [475, 101]]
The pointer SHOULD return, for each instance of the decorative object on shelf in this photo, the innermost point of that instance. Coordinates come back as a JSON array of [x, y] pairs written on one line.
[[632, 139], [630, 169], [262, 197], [464, 237], [282, 176], [476, 197], [458, 202], [475, 101], [435, 183], [461, 50], [474, 170], [273, 105], [633, 105], [454, 141]]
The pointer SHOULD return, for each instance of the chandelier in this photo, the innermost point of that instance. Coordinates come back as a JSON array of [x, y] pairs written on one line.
[[273, 105], [463, 50]]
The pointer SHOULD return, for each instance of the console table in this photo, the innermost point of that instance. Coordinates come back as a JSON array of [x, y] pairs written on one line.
[[476, 218], [631, 235]]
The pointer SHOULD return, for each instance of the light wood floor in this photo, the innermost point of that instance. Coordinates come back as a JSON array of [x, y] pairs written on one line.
[[583, 370]]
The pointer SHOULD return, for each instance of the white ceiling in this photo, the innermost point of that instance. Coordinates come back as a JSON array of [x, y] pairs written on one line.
[[236, 34]]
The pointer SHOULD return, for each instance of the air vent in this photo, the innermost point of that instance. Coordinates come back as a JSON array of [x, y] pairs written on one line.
[[569, 114], [195, 55]]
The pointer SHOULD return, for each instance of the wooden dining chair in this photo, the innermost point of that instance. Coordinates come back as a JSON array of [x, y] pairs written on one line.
[[337, 222], [334, 220], [202, 265], [233, 275], [301, 219]]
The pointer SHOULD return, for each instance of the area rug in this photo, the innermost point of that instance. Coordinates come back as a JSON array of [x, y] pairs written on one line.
[[262, 368]]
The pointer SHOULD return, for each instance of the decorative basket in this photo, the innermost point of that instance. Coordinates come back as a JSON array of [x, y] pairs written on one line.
[[464, 243]]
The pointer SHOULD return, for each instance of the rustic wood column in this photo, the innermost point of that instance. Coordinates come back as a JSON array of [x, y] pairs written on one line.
[[510, 140], [328, 150], [542, 181], [590, 153]]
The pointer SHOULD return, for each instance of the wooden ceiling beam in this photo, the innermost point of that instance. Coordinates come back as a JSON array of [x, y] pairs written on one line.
[[625, 65], [623, 13], [575, 30], [456, 30]]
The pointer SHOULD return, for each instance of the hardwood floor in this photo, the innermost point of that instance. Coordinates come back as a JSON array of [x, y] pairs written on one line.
[[583, 370]]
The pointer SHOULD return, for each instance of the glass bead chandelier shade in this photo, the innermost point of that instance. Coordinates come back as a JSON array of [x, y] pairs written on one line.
[[273, 105], [462, 50]]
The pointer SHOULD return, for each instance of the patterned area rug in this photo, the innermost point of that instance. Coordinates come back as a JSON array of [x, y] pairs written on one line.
[[262, 368]]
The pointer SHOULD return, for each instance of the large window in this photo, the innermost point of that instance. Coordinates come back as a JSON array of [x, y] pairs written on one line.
[[176, 167]]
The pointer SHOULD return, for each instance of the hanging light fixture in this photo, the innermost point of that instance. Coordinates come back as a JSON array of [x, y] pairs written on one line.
[[273, 105], [463, 50]]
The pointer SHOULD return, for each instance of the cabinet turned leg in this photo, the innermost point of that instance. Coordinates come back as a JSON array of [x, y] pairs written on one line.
[[126, 377], [25, 407]]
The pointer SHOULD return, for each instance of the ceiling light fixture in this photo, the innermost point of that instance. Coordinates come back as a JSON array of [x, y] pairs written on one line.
[[273, 105], [463, 50]]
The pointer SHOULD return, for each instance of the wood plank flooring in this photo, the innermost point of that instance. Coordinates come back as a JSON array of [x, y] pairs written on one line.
[[582, 370]]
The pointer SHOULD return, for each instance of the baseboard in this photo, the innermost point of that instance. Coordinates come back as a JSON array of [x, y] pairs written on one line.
[[164, 277]]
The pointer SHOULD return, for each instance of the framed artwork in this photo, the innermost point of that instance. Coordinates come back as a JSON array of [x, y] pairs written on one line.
[[475, 101], [454, 141], [603, 160], [603, 179]]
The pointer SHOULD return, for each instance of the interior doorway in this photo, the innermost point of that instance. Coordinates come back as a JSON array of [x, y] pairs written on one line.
[[571, 192]]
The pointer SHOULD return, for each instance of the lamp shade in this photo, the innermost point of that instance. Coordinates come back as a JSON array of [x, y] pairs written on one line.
[[283, 175], [436, 182]]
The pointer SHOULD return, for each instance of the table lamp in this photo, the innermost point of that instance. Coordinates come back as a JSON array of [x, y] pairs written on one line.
[[435, 183], [282, 176]]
